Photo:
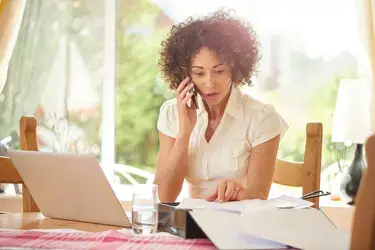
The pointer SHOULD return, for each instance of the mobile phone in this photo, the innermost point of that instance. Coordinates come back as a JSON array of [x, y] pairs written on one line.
[[194, 98]]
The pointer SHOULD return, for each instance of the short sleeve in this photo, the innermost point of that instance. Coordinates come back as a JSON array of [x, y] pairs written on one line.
[[266, 125], [168, 118]]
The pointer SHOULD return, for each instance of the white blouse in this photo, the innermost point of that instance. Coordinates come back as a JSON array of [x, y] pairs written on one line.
[[245, 124]]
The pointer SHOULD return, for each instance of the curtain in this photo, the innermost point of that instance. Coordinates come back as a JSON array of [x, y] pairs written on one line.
[[365, 16], [11, 12], [34, 52]]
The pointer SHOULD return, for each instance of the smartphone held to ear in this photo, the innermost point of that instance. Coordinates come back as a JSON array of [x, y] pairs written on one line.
[[194, 98]]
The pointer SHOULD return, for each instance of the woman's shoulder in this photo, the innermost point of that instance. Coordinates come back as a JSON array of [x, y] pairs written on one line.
[[253, 105], [265, 121], [260, 113], [168, 118], [170, 103], [169, 108]]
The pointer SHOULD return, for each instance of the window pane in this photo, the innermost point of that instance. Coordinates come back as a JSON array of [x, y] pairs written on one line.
[[307, 48], [56, 72], [140, 91]]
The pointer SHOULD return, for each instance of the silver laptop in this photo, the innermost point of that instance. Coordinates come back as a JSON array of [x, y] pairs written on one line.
[[69, 186]]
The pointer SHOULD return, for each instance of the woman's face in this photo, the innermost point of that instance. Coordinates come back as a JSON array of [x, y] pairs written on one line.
[[210, 76]]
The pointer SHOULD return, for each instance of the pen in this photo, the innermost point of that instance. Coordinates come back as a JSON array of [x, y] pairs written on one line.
[[315, 194]]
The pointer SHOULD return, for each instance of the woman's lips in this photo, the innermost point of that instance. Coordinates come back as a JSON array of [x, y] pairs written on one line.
[[212, 95]]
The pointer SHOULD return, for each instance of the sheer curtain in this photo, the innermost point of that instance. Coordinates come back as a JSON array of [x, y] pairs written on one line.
[[11, 12], [31, 60], [365, 17]]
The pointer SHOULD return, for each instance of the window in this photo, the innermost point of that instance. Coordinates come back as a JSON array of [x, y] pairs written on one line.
[[97, 69], [307, 48]]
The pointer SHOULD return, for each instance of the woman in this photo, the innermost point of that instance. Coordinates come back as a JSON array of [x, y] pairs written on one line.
[[226, 149]]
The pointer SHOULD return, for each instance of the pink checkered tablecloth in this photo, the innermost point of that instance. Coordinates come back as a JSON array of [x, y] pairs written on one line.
[[30, 239]]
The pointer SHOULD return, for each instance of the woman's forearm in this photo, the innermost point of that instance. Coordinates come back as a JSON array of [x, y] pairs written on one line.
[[170, 177], [250, 193]]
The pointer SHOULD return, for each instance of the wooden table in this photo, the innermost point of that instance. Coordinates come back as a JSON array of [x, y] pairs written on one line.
[[38, 221], [340, 216]]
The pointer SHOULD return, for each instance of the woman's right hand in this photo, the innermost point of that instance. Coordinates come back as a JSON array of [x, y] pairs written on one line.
[[187, 116]]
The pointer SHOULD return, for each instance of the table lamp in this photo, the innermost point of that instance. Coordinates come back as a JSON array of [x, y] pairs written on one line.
[[351, 124]]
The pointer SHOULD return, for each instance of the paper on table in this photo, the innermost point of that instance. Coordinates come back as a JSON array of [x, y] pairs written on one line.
[[225, 232], [233, 206], [286, 201], [246, 205], [300, 228]]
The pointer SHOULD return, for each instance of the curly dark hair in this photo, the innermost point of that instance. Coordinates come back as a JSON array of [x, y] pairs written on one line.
[[231, 38]]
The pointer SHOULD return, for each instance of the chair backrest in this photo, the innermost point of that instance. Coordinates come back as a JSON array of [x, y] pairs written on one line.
[[363, 229], [304, 174], [9, 174]]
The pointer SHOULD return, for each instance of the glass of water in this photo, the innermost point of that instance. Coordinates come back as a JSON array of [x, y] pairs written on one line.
[[145, 208]]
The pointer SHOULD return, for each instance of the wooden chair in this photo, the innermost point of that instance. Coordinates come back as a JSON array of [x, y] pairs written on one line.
[[304, 174], [363, 229], [8, 173]]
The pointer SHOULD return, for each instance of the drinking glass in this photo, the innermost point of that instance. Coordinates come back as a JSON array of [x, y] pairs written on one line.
[[145, 209]]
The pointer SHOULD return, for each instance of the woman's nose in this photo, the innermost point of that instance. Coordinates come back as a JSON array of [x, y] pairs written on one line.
[[209, 81]]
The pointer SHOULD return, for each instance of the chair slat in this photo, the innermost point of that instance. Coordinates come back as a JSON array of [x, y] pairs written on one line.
[[304, 174]]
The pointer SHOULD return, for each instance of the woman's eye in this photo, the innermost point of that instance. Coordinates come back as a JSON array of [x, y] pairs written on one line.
[[198, 74], [219, 71]]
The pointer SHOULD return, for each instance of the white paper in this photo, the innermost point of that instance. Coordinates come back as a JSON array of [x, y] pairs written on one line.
[[300, 228], [225, 233], [274, 223], [282, 202], [233, 206], [286, 201]]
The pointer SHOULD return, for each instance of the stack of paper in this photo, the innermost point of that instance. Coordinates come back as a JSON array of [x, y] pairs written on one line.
[[223, 229], [282, 202], [271, 228], [235, 206], [258, 224], [300, 228]]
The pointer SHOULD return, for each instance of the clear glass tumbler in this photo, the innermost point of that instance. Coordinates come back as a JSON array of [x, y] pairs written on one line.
[[145, 209]]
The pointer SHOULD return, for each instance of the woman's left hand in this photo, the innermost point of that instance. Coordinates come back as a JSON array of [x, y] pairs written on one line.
[[227, 190]]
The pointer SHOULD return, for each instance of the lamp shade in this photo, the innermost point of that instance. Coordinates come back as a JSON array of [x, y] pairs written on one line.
[[351, 120]]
